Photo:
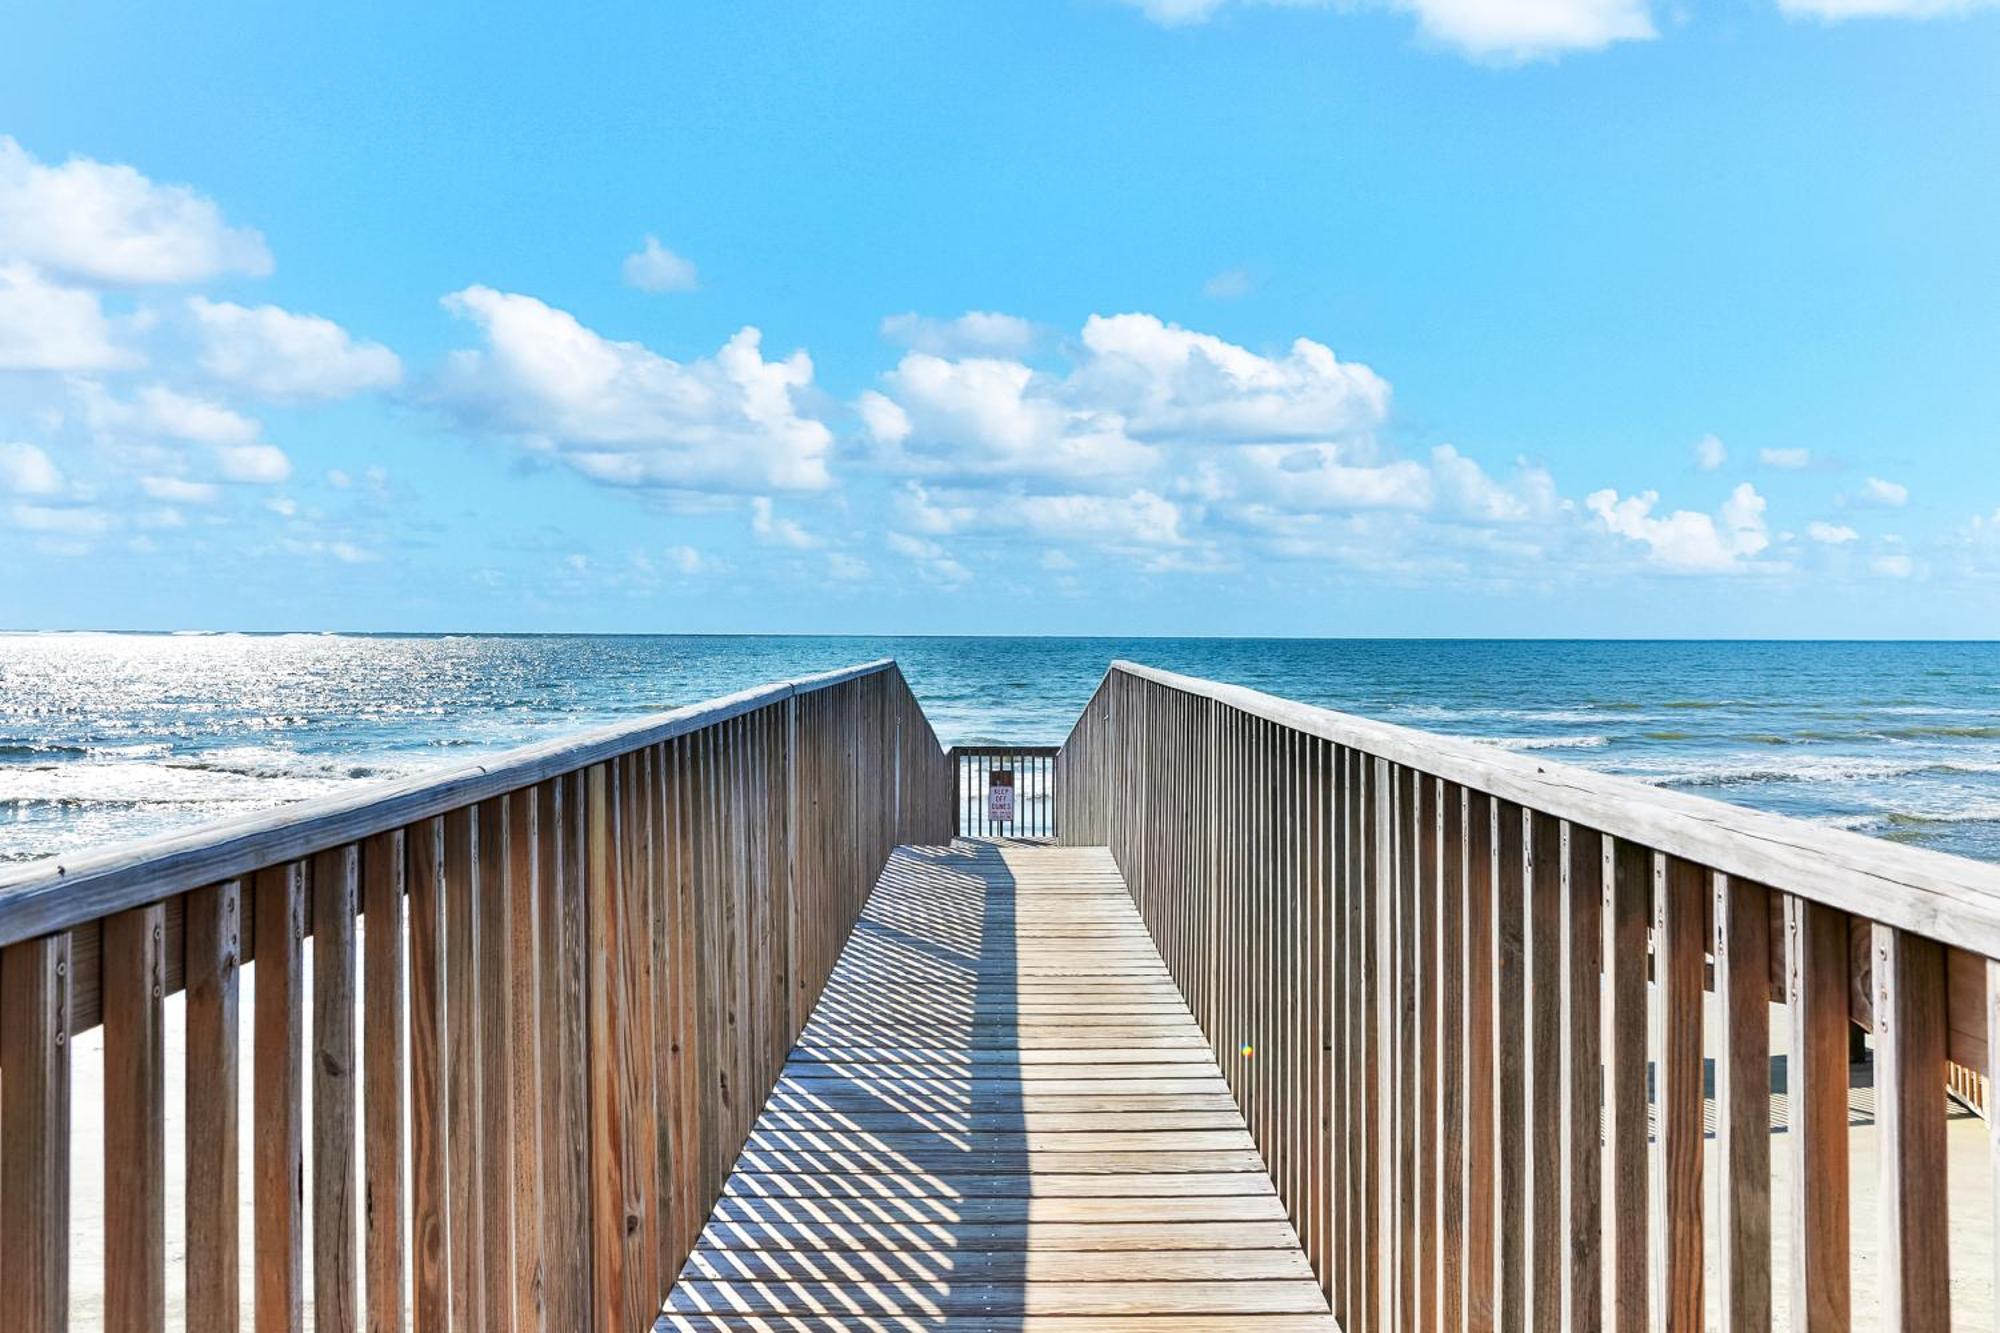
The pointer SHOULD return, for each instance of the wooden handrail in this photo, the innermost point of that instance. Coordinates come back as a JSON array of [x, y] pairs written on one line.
[[1459, 995], [579, 967], [39, 897], [1948, 898]]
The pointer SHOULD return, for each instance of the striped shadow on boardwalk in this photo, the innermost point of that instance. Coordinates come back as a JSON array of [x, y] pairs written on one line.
[[1000, 1116]]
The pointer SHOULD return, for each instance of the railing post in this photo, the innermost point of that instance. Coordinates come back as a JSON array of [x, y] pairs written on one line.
[[34, 1153]]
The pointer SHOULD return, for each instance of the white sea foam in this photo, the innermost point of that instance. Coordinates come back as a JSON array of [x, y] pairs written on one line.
[[1545, 742]]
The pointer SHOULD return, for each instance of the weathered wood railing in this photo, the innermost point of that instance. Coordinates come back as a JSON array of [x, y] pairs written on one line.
[[577, 969], [1437, 973]]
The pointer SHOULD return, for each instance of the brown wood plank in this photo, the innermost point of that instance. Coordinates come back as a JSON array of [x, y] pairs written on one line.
[[1583, 1066], [277, 1139], [335, 896], [1510, 1042], [430, 1182], [462, 1126], [1628, 914], [1450, 1085], [1909, 1067], [1548, 1235], [1482, 1298], [34, 1148], [214, 955], [1816, 1076], [527, 1079], [1743, 1101], [1680, 957], [494, 1078], [384, 1197], [135, 1148]]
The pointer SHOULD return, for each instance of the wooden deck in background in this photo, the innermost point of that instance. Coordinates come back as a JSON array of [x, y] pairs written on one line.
[[1001, 1116]]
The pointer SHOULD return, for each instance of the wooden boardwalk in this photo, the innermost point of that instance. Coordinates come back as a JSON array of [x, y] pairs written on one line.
[[1000, 1116]]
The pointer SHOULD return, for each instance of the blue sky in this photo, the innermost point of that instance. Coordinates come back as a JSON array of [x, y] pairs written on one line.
[[1546, 317]]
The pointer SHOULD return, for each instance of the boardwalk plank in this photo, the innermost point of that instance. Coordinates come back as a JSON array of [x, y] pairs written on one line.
[[1002, 1112]]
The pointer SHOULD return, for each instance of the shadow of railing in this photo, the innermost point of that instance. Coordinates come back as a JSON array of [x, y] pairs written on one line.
[[887, 1180]]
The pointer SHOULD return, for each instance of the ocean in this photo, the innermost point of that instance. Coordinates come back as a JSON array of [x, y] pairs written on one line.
[[105, 737]]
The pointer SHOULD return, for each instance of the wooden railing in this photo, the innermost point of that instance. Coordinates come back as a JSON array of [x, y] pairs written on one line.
[[559, 983], [1438, 975], [1030, 771]]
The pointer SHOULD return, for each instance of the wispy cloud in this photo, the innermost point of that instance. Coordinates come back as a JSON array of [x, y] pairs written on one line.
[[654, 268]]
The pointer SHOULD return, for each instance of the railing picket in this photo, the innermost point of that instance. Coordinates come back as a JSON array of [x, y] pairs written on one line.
[[1371, 815], [1510, 1042], [1424, 813], [1816, 1084], [278, 1141], [135, 1150], [524, 1052], [384, 1083], [214, 955], [567, 1234], [1582, 1093], [336, 1295], [1628, 914], [1407, 807], [1450, 1083], [462, 1128], [34, 1134], [1743, 1101], [1341, 1137], [430, 1189], [1680, 954], [1543, 934], [493, 990], [1909, 1012], [1482, 1297]]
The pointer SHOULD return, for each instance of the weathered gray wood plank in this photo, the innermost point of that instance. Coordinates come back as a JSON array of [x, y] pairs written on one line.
[[1000, 1107]]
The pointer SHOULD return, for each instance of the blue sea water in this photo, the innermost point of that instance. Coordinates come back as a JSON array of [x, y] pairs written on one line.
[[111, 736]]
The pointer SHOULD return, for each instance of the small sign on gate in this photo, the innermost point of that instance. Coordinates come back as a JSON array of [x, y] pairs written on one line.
[[1000, 796]]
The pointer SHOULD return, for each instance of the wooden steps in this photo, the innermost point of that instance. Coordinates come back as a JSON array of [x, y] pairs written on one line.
[[1000, 1116]]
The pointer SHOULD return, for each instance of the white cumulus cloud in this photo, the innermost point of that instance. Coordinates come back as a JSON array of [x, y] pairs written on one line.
[[1484, 29], [1887, 494], [179, 490], [104, 223], [1136, 386], [159, 410], [26, 470], [1688, 541], [1893, 566], [622, 414], [1227, 285], [47, 326], [253, 464], [277, 354], [772, 529], [1834, 11], [1529, 29], [932, 559], [974, 333], [1709, 453], [1168, 382], [1831, 534], [654, 268], [1790, 460]]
